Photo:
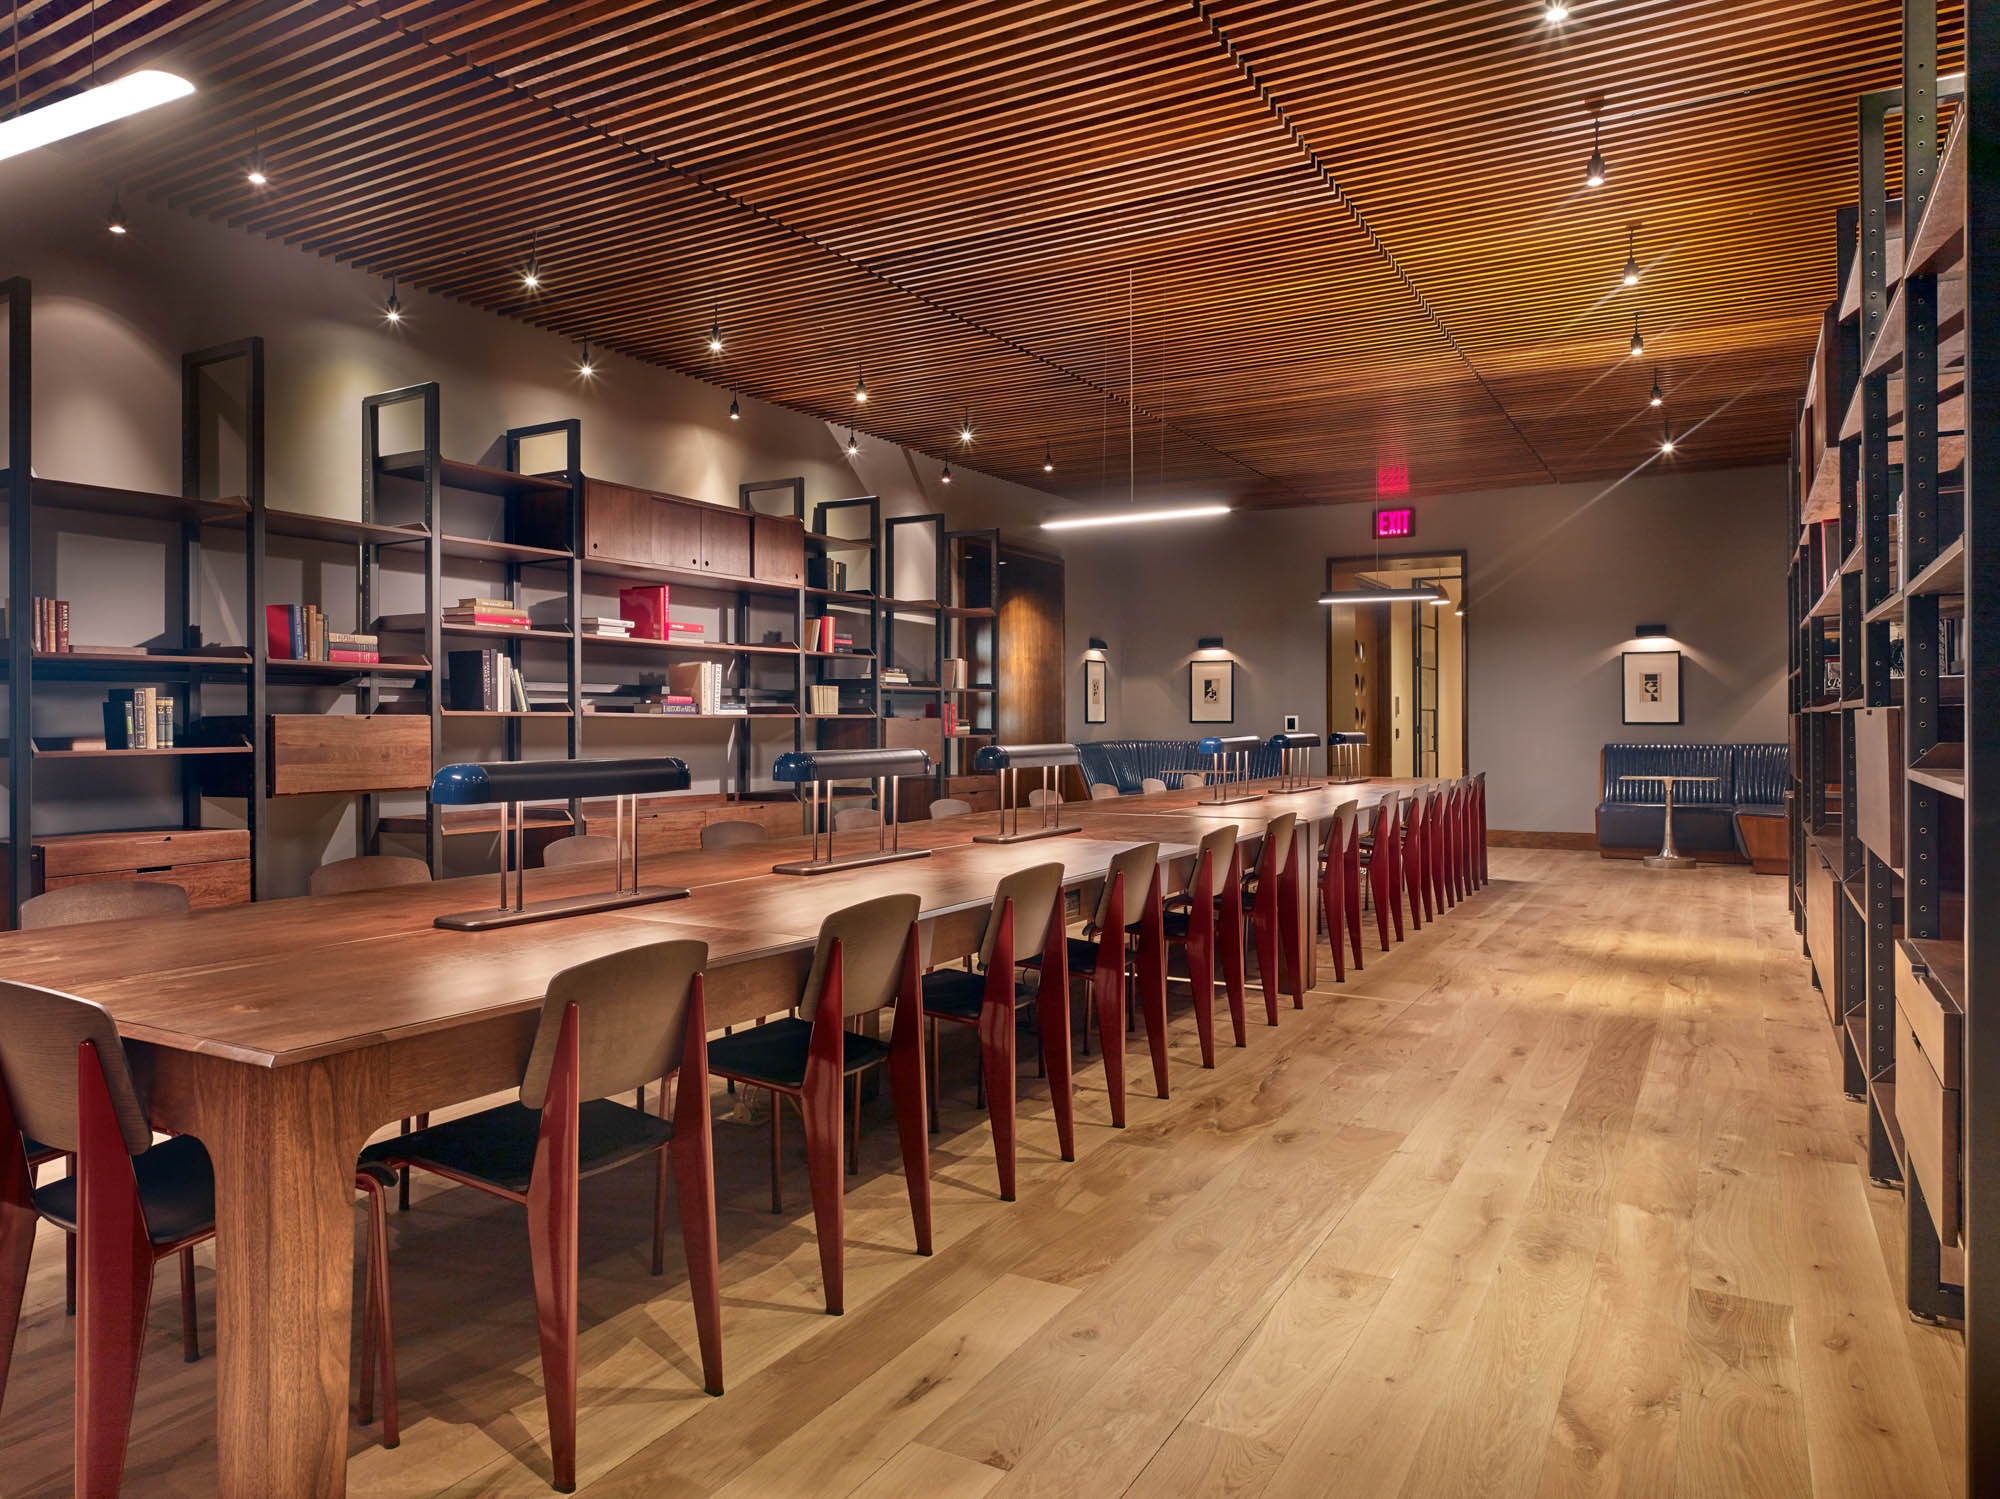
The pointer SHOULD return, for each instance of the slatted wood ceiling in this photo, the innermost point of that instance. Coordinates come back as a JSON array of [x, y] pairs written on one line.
[[1357, 241]]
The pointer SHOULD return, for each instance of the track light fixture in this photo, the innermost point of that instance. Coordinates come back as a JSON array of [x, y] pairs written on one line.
[[392, 310], [860, 389], [1658, 396], [256, 174], [1594, 171], [735, 412], [1632, 271], [946, 475], [1638, 338], [583, 365], [531, 273], [715, 332], [1048, 460], [853, 446], [114, 218]]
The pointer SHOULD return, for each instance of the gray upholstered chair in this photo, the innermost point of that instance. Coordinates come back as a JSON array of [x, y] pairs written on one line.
[[608, 1026], [1026, 917], [866, 959], [580, 848], [367, 872], [948, 806], [103, 900], [729, 834]]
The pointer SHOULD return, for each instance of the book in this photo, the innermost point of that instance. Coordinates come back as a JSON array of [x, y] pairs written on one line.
[[646, 608], [496, 621], [473, 683], [358, 657], [496, 606], [684, 626]]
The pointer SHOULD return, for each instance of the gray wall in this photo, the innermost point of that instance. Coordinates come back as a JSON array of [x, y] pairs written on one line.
[[1558, 577]]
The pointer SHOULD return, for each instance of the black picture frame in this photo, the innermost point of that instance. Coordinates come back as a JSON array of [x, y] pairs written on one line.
[[1665, 705], [1204, 707], [1096, 702]]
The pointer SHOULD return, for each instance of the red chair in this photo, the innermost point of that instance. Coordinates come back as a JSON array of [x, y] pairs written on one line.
[[1380, 847], [1025, 902], [607, 1026], [1479, 827], [1415, 864], [1272, 891], [1351, 878], [1440, 820], [1209, 912], [1335, 882], [866, 959]]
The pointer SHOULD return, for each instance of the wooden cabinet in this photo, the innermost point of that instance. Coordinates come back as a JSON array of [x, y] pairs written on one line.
[[725, 541], [1878, 782], [622, 524], [211, 864], [1928, 1112], [778, 550], [321, 752], [1822, 938]]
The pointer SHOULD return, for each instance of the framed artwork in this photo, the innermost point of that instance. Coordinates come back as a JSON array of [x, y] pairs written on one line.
[[1212, 692], [1093, 691], [1652, 686]]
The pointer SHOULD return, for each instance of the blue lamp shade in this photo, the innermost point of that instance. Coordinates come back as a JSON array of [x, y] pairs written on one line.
[[799, 767], [1024, 756], [1234, 744], [1347, 736], [1294, 739], [549, 780]]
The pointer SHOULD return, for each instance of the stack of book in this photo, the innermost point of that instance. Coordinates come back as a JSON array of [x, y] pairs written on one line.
[[645, 610], [823, 699], [605, 628], [823, 634], [138, 718], [298, 632], [498, 614], [954, 672], [48, 624], [895, 676], [701, 683], [484, 682]]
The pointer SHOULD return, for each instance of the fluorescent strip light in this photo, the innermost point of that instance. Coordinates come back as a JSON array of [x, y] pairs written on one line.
[[86, 111], [1382, 596], [1135, 517]]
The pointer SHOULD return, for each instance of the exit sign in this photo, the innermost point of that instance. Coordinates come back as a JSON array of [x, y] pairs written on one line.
[[1393, 523]]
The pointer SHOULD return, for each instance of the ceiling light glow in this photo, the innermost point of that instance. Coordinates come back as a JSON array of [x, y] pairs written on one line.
[[1134, 517], [130, 95]]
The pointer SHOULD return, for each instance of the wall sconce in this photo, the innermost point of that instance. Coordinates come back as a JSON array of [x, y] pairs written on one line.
[[1649, 632], [1097, 643], [1209, 643]]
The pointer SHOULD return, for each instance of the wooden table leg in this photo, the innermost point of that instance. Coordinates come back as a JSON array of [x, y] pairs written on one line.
[[283, 1141]]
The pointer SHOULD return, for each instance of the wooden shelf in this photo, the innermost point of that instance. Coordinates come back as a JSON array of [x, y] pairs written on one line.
[[786, 716], [1882, 1093], [1888, 351], [1939, 242], [479, 549], [143, 754], [413, 624], [840, 543], [472, 477], [1944, 960], [1889, 608], [1827, 605], [686, 577], [1942, 768], [139, 504], [697, 647], [388, 666], [954, 611], [134, 664], [849, 717], [504, 713], [1944, 574], [334, 529], [929, 687], [1856, 1025], [913, 606], [843, 655], [839, 597]]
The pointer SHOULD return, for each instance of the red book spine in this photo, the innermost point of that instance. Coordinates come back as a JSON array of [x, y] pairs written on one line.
[[342, 653], [278, 632], [681, 626], [647, 609]]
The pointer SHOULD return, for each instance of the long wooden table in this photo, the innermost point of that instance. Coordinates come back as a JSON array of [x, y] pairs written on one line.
[[284, 1034]]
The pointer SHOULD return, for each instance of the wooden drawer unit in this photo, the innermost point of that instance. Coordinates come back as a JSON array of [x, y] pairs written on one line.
[[778, 550], [1878, 776], [1928, 1112], [211, 864], [325, 752], [622, 524]]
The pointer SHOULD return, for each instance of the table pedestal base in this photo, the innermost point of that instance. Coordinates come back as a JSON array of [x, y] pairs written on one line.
[[1668, 861]]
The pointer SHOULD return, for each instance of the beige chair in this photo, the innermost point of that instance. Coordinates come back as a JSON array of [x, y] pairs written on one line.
[[367, 872], [103, 900], [1151, 786], [866, 959], [856, 817], [1104, 791], [610, 1024], [1042, 797], [580, 848], [949, 806], [729, 834], [1194, 778]]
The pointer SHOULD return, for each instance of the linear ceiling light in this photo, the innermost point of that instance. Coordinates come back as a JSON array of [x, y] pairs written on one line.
[[1383, 596], [1134, 517], [130, 95]]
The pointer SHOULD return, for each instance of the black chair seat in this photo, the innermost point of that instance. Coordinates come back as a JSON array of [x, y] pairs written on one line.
[[775, 1054], [37, 1152], [176, 1192], [1082, 957], [498, 1145], [960, 994]]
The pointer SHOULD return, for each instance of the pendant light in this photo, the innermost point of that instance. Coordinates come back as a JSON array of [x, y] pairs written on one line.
[[1632, 271], [946, 475], [1594, 171], [256, 174], [1555, 12], [114, 218], [735, 412], [1666, 436], [531, 273], [583, 366], [853, 447], [860, 389], [1135, 517], [1638, 338], [715, 332], [392, 310], [965, 429], [1048, 460], [100, 105], [1420, 595], [1658, 396]]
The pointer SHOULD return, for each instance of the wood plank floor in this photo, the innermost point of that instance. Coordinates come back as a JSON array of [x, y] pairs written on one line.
[[1558, 1198]]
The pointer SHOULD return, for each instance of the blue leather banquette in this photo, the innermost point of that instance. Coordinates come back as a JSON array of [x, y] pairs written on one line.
[[1124, 763], [1748, 779]]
